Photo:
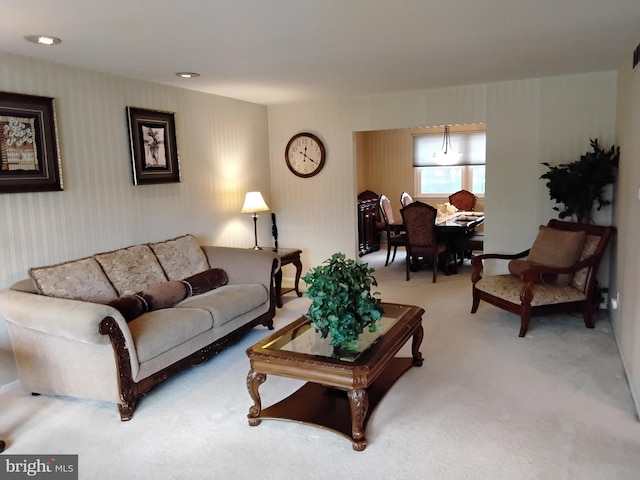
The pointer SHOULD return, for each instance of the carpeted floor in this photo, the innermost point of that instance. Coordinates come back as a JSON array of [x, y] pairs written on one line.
[[485, 405]]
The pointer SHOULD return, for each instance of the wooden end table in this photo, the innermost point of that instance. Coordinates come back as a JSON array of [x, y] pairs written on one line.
[[340, 393], [287, 256]]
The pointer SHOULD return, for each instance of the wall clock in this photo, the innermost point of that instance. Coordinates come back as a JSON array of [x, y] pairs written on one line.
[[305, 155]]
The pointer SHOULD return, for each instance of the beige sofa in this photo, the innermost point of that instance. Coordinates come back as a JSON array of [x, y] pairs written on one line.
[[70, 337]]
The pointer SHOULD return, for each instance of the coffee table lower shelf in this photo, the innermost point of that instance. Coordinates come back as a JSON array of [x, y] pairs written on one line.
[[329, 408]]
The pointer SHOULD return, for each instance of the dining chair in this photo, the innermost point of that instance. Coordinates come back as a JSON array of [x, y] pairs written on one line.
[[405, 199], [396, 236], [463, 200], [422, 244], [556, 275], [467, 244]]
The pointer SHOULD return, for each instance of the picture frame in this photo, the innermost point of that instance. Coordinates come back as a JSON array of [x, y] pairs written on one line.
[[29, 152], [154, 149]]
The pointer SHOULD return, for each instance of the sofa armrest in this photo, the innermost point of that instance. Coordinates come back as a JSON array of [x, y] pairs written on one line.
[[73, 319], [244, 265]]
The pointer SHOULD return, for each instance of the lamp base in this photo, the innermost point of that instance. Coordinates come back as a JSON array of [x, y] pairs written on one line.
[[257, 248]]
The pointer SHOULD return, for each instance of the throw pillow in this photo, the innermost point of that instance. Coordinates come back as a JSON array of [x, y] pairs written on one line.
[[205, 281], [518, 266], [77, 280], [180, 257], [157, 297], [557, 248], [130, 306], [131, 269], [163, 295]]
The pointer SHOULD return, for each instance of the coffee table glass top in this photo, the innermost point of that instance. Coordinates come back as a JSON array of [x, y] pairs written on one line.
[[303, 338]]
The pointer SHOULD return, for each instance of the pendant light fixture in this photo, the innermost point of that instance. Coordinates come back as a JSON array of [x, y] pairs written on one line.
[[446, 156]]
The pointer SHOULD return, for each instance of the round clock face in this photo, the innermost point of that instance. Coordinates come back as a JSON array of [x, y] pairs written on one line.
[[305, 155]]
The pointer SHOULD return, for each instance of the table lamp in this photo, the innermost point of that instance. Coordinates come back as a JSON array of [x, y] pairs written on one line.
[[254, 203]]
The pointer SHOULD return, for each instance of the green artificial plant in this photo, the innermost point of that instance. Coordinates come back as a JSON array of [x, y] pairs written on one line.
[[579, 186], [343, 305]]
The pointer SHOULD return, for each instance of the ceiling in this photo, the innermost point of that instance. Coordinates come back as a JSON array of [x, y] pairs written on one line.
[[284, 51]]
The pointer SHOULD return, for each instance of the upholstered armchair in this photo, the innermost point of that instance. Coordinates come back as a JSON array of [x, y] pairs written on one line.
[[557, 274]]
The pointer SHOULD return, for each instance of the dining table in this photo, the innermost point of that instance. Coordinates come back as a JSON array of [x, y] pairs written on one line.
[[451, 227]]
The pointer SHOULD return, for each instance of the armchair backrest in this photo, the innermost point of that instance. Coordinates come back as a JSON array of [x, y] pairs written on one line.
[[420, 224], [463, 200], [595, 245]]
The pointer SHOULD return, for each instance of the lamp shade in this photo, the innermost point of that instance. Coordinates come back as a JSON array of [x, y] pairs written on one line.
[[253, 203]]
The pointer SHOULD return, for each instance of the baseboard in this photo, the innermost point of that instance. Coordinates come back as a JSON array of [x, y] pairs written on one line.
[[634, 394], [9, 387]]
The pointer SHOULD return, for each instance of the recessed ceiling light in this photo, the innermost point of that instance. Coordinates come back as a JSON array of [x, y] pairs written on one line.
[[43, 39], [187, 74]]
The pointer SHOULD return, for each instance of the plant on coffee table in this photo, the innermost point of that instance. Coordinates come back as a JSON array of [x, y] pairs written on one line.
[[343, 305]]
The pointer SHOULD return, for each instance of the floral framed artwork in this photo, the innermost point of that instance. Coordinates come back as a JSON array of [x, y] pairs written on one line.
[[29, 154], [154, 150]]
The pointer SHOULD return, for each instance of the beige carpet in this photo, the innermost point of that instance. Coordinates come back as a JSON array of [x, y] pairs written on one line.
[[485, 405]]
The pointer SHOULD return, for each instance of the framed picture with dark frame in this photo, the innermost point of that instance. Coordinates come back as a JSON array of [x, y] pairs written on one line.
[[154, 150], [29, 154]]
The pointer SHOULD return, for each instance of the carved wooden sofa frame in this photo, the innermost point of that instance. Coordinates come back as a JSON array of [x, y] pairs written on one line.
[[131, 391]]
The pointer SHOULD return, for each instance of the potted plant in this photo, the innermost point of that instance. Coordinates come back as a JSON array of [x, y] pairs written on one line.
[[343, 305], [579, 186]]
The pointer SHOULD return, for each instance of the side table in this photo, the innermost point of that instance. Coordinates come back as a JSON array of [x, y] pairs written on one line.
[[287, 256]]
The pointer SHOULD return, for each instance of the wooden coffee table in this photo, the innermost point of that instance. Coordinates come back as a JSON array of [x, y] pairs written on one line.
[[340, 393]]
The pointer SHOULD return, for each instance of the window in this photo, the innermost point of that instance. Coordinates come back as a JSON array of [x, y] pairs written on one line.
[[436, 176]]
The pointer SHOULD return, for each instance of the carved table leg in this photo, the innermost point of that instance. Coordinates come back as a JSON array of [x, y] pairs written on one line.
[[359, 403], [298, 264], [415, 346], [254, 380], [278, 281]]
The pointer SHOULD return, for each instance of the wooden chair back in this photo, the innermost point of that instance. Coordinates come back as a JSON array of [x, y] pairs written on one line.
[[405, 199], [463, 200]]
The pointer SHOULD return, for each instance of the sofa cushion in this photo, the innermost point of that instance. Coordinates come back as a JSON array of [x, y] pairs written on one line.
[[155, 333], [228, 302], [131, 269], [508, 287], [78, 280], [180, 257]]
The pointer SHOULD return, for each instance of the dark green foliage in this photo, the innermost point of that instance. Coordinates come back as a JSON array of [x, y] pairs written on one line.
[[343, 305], [579, 186]]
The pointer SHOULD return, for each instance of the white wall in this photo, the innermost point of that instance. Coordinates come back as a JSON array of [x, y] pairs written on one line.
[[223, 150], [627, 268], [528, 122]]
